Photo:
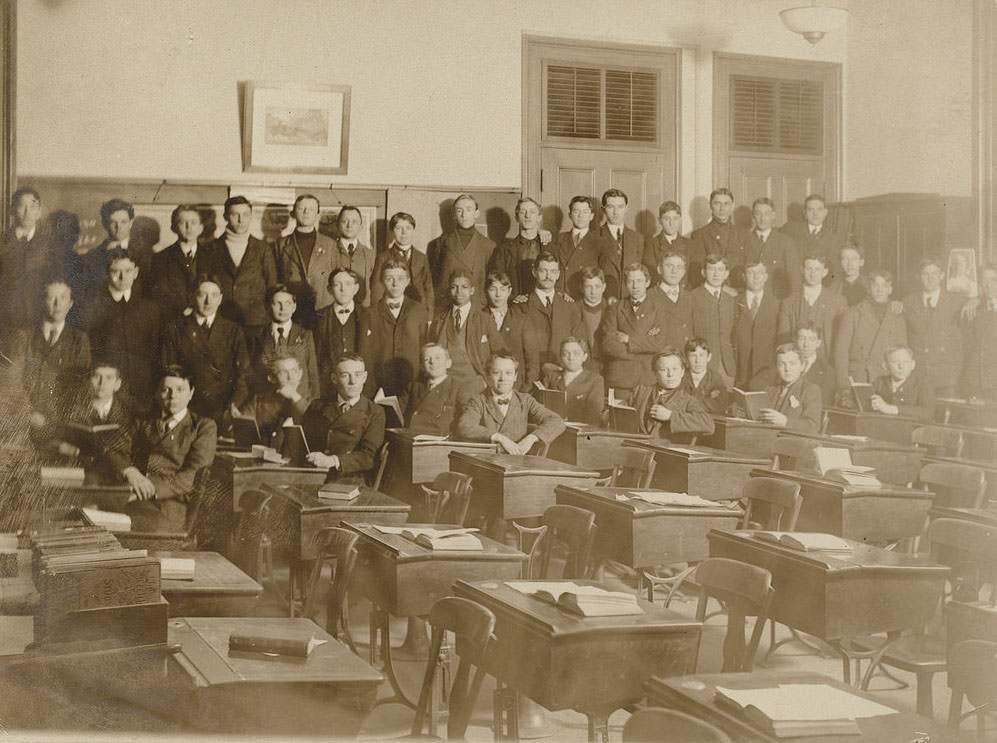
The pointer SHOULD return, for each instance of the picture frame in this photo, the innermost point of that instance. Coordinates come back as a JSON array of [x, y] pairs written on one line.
[[960, 274], [288, 128]]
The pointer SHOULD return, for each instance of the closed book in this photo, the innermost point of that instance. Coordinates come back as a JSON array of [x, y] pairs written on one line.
[[751, 402], [246, 431], [623, 417], [294, 647], [862, 392], [177, 568], [96, 428], [338, 492], [134, 581], [554, 400]]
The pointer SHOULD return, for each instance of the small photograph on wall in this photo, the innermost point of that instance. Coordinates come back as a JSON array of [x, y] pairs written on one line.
[[295, 129], [961, 272]]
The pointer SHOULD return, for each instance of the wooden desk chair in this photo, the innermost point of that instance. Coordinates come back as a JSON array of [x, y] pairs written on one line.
[[954, 485], [634, 470], [573, 527], [941, 442], [252, 548], [448, 498], [746, 591], [173, 541], [336, 548], [381, 464], [771, 503], [972, 672], [793, 453], [472, 625], [971, 550], [657, 725]]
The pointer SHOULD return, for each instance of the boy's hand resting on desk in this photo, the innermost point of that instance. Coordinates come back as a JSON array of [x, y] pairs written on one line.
[[323, 461], [142, 486], [769, 415], [517, 448], [881, 406]]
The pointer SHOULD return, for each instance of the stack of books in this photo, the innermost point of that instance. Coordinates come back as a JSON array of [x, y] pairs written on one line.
[[337, 492], [836, 464]]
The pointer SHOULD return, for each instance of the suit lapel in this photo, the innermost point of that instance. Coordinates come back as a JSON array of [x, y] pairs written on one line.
[[514, 410]]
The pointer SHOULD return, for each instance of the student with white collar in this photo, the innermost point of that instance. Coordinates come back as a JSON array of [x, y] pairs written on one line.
[[420, 288], [580, 247], [432, 401], [902, 391], [793, 403], [283, 337], [465, 335], [339, 327], [585, 389]]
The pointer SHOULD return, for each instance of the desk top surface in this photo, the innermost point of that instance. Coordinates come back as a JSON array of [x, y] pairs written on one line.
[[409, 436], [861, 558], [526, 464], [505, 601], [608, 498], [245, 462], [403, 549], [813, 478], [694, 694], [699, 453], [734, 422], [979, 515], [870, 414], [213, 574], [585, 429], [204, 645], [853, 443], [305, 497]]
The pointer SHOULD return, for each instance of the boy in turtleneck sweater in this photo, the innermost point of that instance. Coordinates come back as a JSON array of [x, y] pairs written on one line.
[[305, 261], [666, 409], [243, 265], [463, 247], [593, 306]]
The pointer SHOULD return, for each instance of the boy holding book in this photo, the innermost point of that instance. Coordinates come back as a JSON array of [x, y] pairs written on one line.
[[583, 389], [286, 397], [666, 409], [792, 403], [901, 391]]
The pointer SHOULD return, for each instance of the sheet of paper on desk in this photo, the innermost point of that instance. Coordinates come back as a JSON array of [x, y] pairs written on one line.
[[682, 449], [429, 531], [806, 702], [664, 498], [428, 437]]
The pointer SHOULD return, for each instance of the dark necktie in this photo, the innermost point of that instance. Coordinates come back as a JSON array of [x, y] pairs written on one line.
[[281, 338], [456, 319]]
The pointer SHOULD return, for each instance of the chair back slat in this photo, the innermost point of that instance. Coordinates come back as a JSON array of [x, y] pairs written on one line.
[[657, 725], [448, 498], [954, 485], [574, 528], [771, 503], [381, 462], [745, 591], [969, 548], [634, 468], [941, 442]]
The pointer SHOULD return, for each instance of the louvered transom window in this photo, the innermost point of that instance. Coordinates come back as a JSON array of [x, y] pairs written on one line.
[[608, 104], [776, 115]]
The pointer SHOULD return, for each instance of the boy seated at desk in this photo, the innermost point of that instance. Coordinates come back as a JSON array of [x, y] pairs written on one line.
[[346, 430], [794, 403], [584, 389], [168, 450], [902, 391], [816, 369], [432, 402], [286, 398], [501, 415], [667, 409], [703, 381]]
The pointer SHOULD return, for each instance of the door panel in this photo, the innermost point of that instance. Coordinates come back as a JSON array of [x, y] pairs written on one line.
[[787, 182]]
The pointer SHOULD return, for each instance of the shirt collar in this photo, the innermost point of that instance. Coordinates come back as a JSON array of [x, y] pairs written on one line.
[[209, 320], [351, 306], [714, 292], [696, 378], [751, 296], [545, 296], [496, 396], [580, 234], [117, 296], [344, 244], [340, 400], [933, 296], [118, 244], [570, 377], [175, 419], [812, 292], [668, 289], [464, 312], [102, 409], [434, 383], [58, 327], [21, 234], [764, 235]]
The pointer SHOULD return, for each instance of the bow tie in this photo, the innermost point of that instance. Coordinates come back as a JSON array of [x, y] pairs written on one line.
[[20, 233], [343, 311], [394, 305], [635, 305], [502, 400]]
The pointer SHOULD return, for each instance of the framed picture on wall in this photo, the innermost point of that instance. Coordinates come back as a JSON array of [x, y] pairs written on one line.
[[296, 129], [960, 276]]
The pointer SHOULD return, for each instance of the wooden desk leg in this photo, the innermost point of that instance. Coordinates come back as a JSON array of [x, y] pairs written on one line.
[[598, 728], [505, 714], [381, 624], [851, 653], [438, 701]]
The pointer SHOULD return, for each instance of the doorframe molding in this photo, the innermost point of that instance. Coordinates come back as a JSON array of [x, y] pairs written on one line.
[[531, 125], [8, 98], [721, 112]]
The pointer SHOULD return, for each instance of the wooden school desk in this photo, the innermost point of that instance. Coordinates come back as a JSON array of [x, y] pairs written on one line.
[[593, 665], [892, 461], [412, 462], [699, 470], [989, 472], [590, 446], [695, 695], [986, 516], [894, 428], [966, 412], [238, 473], [641, 534], [879, 515], [841, 595], [507, 487], [219, 588], [741, 435], [404, 579]]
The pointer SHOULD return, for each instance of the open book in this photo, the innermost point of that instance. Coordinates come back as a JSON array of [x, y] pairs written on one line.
[[836, 464], [751, 402], [663, 498], [96, 428], [273, 646], [394, 418], [295, 444], [176, 568], [805, 541], [622, 417], [586, 601], [332, 491], [799, 710], [862, 391], [246, 431], [462, 539]]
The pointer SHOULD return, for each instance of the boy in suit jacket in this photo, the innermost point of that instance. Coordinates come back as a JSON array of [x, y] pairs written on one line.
[[813, 304], [124, 329], [461, 248], [813, 236], [213, 348], [174, 269], [505, 324], [756, 314], [432, 401], [632, 332], [793, 403], [666, 409], [816, 370], [243, 264], [584, 390], [702, 380], [934, 330], [849, 281], [674, 298], [345, 432], [305, 260], [622, 245], [713, 314], [669, 240], [515, 256], [353, 254], [392, 335], [340, 325], [720, 235], [402, 226], [548, 318], [865, 333], [56, 357], [776, 250], [117, 217], [465, 335], [501, 415], [283, 398], [981, 351], [27, 255], [282, 337], [580, 247], [168, 450], [901, 391]]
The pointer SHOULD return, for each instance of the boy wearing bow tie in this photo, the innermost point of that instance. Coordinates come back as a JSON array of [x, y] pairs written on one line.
[[793, 402], [345, 431], [168, 450], [283, 337], [666, 409], [338, 329], [501, 415]]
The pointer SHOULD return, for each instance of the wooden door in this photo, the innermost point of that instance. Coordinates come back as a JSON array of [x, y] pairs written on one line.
[[786, 181]]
